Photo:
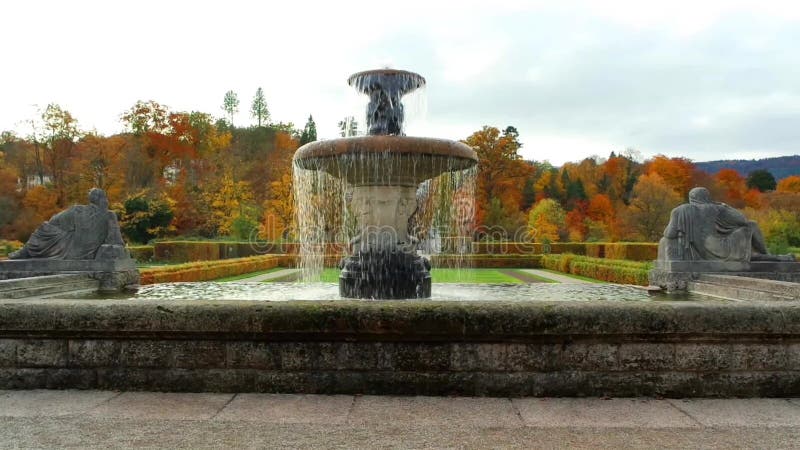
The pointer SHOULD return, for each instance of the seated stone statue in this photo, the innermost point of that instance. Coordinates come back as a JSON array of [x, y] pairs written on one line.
[[82, 232], [712, 231]]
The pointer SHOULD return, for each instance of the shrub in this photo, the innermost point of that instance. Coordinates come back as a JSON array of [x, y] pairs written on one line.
[[7, 247], [615, 271], [141, 253], [144, 219], [632, 251], [207, 270]]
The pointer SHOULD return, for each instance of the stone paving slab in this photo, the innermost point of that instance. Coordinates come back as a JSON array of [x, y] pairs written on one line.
[[278, 274], [95, 433], [603, 413], [162, 405], [45, 403], [107, 419], [288, 408], [762, 412], [469, 411]]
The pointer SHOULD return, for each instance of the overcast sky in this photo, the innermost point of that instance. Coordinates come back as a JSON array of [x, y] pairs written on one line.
[[701, 79]]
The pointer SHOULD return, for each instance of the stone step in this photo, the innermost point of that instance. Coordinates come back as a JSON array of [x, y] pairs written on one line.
[[743, 288], [46, 285], [783, 288]]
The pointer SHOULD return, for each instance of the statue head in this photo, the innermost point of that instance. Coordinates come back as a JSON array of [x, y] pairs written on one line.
[[98, 198], [699, 196]]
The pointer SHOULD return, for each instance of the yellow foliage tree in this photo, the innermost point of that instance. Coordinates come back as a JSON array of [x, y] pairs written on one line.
[[231, 201], [279, 209], [546, 220]]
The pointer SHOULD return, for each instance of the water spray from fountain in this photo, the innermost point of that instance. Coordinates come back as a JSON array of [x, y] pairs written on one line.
[[379, 198]]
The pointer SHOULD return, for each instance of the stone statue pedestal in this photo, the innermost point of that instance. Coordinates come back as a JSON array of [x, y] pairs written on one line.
[[675, 276], [113, 274]]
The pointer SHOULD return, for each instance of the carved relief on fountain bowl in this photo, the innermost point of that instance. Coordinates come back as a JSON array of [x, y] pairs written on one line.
[[385, 160]]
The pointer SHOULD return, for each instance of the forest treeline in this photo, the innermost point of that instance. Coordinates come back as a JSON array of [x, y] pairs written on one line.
[[173, 173]]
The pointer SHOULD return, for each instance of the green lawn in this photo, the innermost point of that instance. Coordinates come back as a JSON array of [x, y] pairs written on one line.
[[446, 276]]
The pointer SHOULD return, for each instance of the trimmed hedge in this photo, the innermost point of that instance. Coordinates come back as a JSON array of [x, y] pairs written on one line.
[[207, 270], [487, 261], [632, 251], [141, 253], [614, 271]]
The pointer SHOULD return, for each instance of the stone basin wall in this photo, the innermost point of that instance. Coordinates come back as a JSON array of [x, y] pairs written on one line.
[[673, 349]]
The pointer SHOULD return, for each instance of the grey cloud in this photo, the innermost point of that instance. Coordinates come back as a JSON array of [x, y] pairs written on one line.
[[641, 88]]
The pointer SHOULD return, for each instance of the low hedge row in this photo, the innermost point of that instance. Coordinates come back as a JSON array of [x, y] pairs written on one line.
[[487, 261], [141, 253], [187, 251], [207, 270], [614, 271], [447, 261], [631, 251], [7, 247]]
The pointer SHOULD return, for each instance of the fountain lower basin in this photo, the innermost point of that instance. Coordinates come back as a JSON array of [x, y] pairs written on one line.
[[498, 348]]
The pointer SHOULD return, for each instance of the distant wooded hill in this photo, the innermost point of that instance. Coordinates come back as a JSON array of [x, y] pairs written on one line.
[[780, 167]]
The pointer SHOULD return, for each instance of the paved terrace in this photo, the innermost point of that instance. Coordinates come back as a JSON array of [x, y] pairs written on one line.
[[108, 419]]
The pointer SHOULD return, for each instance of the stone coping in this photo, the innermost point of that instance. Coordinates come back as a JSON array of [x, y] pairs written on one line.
[[64, 266], [427, 321], [727, 266]]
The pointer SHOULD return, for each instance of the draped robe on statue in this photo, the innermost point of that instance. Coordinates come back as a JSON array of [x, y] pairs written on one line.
[[76, 233]]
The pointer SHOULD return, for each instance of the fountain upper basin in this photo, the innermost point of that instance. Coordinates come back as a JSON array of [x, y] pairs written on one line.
[[385, 160]]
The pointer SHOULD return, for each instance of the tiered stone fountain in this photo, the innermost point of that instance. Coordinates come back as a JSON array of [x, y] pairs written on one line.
[[384, 170]]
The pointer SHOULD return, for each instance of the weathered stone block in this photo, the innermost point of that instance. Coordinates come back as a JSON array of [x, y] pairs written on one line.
[[256, 355], [94, 353], [196, 354], [8, 352], [135, 353], [588, 356], [646, 356], [478, 356], [41, 353], [793, 356], [531, 357], [766, 356], [705, 356], [365, 355], [421, 356]]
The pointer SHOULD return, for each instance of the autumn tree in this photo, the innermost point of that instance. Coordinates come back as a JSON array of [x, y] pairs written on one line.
[[9, 197], [258, 108], [546, 220], [733, 185], [762, 180], [677, 173], [230, 202], [144, 218], [650, 207], [230, 104], [501, 170], [789, 184], [60, 136], [279, 218], [309, 132]]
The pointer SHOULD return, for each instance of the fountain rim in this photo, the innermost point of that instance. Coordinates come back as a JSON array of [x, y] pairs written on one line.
[[389, 144], [420, 80]]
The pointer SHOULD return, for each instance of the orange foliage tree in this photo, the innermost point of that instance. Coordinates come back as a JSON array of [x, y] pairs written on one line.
[[501, 170], [789, 184]]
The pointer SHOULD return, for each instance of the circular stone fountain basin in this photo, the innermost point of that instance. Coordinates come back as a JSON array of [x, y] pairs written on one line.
[[385, 160]]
